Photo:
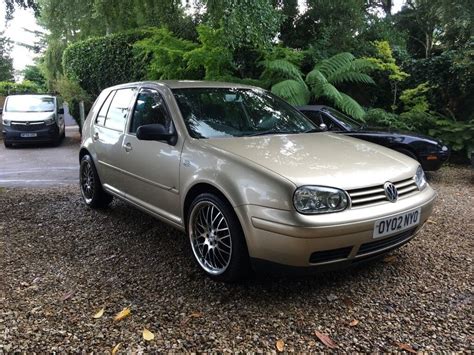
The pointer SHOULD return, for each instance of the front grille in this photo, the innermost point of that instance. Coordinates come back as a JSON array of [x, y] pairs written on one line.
[[376, 194], [28, 127], [385, 243], [329, 255]]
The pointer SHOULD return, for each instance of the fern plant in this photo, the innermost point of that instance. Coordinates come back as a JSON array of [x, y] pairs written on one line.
[[284, 78], [282, 75], [339, 69]]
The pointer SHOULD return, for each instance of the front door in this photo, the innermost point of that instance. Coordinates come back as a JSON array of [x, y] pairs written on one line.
[[151, 168]]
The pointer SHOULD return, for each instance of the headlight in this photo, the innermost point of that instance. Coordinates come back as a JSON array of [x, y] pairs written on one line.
[[50, 121], [318, 199], [6, 122], [420, 179], [444, 148]]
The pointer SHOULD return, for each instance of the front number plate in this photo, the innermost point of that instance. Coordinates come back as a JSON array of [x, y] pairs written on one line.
[[398, 223], [28, 135]]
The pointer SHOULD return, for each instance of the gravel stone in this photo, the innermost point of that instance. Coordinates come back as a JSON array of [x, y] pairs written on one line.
[[61, 262]]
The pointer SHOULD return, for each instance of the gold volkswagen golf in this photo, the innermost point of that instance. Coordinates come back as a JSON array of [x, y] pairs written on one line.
[[248, 178]]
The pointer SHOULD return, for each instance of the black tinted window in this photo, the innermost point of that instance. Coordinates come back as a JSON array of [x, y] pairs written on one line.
[[149, 109], [100, 120], [117, 114]]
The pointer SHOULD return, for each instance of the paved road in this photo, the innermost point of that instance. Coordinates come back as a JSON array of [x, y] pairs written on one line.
[[42, 165]]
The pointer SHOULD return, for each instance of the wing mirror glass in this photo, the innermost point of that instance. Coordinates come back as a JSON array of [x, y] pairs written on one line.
[[156, 132]]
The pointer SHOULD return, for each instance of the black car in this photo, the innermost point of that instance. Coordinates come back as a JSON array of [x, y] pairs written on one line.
[[430, 152]]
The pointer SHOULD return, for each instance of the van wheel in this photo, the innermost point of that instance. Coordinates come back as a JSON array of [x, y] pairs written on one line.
[[91, 188], [7, 144], [217, 239]]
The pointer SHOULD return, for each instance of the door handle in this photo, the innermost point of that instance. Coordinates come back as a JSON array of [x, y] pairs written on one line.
[[127, 147], [96, 136]]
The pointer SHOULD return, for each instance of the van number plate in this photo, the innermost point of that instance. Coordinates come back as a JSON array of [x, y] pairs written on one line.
[[28, 135], [398, 223]]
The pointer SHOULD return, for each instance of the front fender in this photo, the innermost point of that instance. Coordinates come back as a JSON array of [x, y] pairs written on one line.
[[240, 180]]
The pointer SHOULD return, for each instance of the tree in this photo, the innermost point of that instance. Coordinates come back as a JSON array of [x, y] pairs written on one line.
[[33, 73], [250, 22], [333, 24], [385, 62], [10, 6], [6, 62]]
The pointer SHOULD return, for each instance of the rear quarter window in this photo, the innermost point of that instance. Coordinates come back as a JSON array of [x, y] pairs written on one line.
[[116, 116]]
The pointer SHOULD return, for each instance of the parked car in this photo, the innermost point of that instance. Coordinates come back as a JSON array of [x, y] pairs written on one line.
[[32, 119], [248, 177], [429, 152]]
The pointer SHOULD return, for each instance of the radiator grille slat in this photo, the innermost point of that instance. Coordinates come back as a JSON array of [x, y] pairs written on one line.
[[376, 194]]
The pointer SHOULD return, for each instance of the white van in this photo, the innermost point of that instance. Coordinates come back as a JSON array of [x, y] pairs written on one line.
[[32, 119]]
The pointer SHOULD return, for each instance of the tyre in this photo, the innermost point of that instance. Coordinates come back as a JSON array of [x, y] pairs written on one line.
[[7, 144], [217, 239], [91, 188]]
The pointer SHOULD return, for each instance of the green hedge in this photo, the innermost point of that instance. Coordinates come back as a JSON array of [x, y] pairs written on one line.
[[100, 62], [25, 87]]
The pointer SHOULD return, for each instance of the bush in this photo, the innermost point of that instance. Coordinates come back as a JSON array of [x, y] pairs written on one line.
[[25, 87], [100, 62], [73, 94], [458, 135]]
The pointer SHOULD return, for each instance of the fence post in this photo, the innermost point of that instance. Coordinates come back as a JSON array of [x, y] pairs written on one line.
[[82, 114]]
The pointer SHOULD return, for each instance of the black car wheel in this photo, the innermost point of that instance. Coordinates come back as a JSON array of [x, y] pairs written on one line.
[[7, 144], [217, 239], [91, 188]]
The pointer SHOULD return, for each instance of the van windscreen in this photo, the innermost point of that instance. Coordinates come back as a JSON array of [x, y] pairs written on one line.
[[29, 104]]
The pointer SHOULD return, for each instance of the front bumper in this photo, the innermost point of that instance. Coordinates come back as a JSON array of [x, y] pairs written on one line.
[[434, 161], [287, 238], [43, 134]]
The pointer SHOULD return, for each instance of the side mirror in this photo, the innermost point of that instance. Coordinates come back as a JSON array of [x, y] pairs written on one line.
[[156, 132], [61, 111], [323, 127], [1, 110]]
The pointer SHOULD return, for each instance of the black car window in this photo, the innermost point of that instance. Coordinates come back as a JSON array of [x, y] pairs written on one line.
[[149, 109], [100, 120], [117, 114], [330, 124]]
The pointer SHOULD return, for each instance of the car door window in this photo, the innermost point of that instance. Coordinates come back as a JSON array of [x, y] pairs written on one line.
[[117, 114], [330, 124], [149, 109], [100, 120]]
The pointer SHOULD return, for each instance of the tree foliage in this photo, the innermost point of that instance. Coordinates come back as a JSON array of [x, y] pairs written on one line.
[[6, 62], [99, 62]]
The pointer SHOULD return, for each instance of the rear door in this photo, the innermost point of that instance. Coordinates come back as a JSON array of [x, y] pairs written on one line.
[[151, 168], [108, 136]]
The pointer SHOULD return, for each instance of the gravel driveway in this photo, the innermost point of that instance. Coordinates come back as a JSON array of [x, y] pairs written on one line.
[[60, 263]]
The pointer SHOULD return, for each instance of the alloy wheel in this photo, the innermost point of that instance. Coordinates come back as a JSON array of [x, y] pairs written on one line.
[[210, 237]]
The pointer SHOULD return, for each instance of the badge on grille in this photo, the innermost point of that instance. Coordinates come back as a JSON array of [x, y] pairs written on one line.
[[390, 191]]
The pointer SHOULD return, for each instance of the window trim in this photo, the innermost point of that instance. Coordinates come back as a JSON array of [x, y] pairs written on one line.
[[112, 92], [132, 111], [127, 119]]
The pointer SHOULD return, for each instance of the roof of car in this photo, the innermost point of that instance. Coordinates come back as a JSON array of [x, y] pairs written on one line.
[[185, 84]]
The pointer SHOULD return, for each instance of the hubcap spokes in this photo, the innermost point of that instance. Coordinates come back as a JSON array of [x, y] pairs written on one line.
[[87, 181], [210, 238]]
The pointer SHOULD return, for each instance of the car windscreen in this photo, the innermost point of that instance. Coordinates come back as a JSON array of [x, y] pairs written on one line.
[[346, 121], [229, 112], [29, 104]]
